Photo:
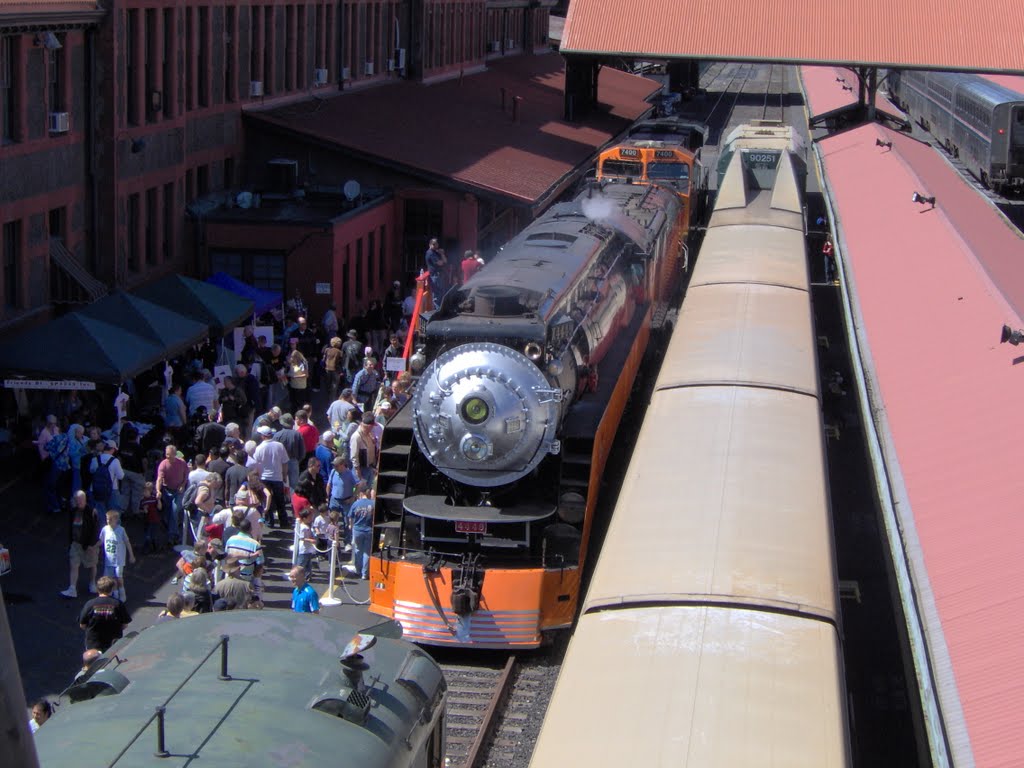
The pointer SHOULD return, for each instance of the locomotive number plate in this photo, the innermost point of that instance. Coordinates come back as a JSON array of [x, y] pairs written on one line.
[[470, 526]]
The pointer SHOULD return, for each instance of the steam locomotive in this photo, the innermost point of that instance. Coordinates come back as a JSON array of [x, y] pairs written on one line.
[[488, 478]]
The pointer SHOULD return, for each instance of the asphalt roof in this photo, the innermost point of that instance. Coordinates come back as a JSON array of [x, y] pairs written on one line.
[[456, 130], [933, 287], [945, 34]]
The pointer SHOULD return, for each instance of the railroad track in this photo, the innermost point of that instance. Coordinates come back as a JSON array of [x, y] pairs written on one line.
[[495, 711], [476, 699], [775, 97]]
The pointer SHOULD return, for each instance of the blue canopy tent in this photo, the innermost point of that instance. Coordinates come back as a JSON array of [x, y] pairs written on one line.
[[216, 308], [263, 301]]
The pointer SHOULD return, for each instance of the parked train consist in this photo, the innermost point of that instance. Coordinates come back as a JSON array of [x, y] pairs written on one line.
[[657, 152], [489, 475], [710, 632], [976, 120], [273, 693]]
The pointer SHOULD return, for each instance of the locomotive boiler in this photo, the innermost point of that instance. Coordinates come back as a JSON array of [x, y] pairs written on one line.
[[489, 476]]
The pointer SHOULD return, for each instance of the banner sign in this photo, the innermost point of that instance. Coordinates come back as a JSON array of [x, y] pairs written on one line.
[[45, 384]]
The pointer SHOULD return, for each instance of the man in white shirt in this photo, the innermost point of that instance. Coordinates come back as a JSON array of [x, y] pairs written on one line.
[[273, 458]]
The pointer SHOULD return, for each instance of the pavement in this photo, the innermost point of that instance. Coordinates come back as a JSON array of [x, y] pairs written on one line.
[[44, 625]]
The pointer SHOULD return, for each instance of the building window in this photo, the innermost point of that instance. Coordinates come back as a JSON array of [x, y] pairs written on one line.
[[231, 31], [131, 44], [229, 172], [202, 180], [169, 94], [169, 221], [8, 115], [359, 268], [190, 186], [263, 270], [12, 264], [149, 65], [152, 214], [204, 57], [380, 256], [8, 104], [55, 74], [190, 70], [371, 258], [133, 232], [58, 224]]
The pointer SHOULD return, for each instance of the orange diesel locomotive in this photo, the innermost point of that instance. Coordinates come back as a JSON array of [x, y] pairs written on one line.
[[488, 477]]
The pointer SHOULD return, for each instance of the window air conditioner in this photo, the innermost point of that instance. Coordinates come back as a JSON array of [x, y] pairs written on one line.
[[399, 58], [495, 46], [346, 73], [255, 88], [511, 43], [59, 122], [368, 68], [319, 77]]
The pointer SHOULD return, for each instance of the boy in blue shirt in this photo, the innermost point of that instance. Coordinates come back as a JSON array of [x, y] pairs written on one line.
[[304, 599]]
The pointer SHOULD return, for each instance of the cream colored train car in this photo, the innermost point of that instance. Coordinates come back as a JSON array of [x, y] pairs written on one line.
[[710, 633]]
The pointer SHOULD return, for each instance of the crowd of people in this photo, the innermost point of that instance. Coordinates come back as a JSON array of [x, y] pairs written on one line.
[[221, 459]]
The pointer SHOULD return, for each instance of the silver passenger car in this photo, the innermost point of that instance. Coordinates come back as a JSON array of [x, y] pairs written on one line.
[[976, 120]]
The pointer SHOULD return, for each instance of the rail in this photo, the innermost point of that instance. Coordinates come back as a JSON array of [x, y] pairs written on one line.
[[476, 698]]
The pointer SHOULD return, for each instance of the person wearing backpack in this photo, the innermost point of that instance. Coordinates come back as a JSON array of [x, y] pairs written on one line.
[[351, 355], [107, 475]]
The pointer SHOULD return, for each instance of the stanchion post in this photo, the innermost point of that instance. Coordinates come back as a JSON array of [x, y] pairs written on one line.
[[185, 528], [329, 598], [295, 543]]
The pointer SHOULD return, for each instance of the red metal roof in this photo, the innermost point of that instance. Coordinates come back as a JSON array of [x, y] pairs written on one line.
[[461, 133], [934, 287], [50, 9], [945, 34], [830, 88]]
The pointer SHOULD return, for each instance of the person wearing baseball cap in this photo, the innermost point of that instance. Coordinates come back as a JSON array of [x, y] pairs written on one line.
[[273, 458], [325, 454]]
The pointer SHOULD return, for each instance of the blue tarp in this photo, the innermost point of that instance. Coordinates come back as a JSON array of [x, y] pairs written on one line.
[[263, 301]]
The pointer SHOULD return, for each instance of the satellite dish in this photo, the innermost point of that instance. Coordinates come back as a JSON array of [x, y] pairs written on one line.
[[351, 189], [244, 199]]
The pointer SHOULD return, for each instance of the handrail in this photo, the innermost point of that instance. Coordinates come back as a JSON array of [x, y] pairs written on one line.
[[158, 714], [421, 290]]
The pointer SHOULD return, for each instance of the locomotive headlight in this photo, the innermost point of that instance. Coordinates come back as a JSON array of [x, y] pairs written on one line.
[[475, 447], [475, 410], [418, 361]]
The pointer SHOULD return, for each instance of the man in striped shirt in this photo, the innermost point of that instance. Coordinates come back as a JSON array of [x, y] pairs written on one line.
[[248, 552]]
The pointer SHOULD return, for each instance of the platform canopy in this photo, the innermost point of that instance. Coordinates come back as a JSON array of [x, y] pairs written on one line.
[[944, 34]]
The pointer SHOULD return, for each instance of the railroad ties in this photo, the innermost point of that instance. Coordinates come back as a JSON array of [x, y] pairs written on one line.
[[476, 697]]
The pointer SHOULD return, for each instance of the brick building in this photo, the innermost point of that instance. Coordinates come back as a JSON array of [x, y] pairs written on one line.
[[123, 135]]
